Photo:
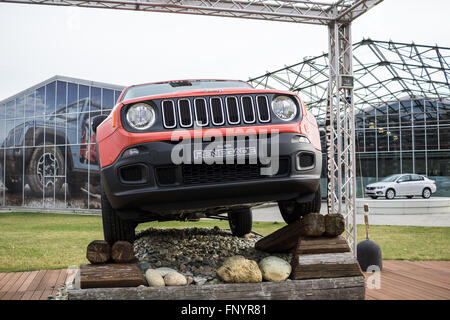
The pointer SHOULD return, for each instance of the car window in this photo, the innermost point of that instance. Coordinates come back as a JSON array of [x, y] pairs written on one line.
[[404, 178], [416, 177], [390, 178]]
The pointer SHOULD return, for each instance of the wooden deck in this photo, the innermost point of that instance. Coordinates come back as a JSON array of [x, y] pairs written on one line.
[[33, 285], [413, 280], [400, 280]]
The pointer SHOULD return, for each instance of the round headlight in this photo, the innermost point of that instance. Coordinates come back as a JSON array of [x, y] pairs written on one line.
[[141, 116], [284, 108]]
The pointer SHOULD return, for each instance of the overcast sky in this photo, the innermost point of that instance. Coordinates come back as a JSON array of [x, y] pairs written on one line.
[[127, 47]]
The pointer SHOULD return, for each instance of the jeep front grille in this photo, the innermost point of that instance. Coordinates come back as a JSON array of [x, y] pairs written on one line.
[[185, 113], [233, 110], [215, 111], [248, 111], [263, 109], [168, 112], [201, 112]]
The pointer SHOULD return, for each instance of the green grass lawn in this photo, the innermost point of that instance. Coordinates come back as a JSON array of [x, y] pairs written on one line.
[[33, 241]]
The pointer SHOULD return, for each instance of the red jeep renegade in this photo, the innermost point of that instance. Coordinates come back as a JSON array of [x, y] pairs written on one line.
[[184, 150]]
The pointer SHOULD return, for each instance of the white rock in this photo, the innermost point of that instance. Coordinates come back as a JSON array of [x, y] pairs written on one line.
[[154, 278], [163, 271], [238, 269], [274, 268], [200, 281], [175, 279]]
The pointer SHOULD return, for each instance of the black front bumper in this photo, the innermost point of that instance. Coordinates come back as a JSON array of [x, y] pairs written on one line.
[[161, 186]]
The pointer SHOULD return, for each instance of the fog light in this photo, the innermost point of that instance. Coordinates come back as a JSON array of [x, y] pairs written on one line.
[[130, 152]]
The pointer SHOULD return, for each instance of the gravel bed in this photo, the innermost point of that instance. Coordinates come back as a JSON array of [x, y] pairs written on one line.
[[194, 252]]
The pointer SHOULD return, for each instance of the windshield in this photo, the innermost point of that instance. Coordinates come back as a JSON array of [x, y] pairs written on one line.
[[391, 178], [175, 86]]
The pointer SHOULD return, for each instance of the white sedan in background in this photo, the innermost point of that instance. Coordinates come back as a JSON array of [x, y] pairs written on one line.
[[408, 185]]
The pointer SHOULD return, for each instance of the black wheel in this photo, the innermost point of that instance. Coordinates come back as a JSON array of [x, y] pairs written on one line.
[[426, 193], [291, 211], [13, 184], [390, 194], [409, 197], [46, 170], [240, 221], [114, 228], [374, 197]]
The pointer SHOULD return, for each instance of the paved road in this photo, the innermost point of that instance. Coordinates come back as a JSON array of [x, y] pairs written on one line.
[[430, 220]]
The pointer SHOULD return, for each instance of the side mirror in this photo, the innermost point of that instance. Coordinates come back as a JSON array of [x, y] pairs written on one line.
[[398, 181], [97, 120]]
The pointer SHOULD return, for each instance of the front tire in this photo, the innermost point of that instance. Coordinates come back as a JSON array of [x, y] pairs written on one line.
[[390, 194], [46, 170], [292, 211], [374, 197], [426, 193], [114, 228], [240, 222]]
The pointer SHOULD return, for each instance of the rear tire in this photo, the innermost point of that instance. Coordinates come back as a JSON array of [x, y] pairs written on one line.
[[374, 197], [426, 193], [240, 221], [114, 228], [292, 211]]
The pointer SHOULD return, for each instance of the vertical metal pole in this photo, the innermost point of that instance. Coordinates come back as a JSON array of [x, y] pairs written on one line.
[[341, 130], [352, 147], [330, 130]]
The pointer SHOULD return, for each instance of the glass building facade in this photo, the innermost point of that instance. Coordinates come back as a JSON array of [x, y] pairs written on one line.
[[47, 149], [406, 136]]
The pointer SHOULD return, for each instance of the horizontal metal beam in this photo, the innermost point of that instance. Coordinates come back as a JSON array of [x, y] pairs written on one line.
[[297, 11]]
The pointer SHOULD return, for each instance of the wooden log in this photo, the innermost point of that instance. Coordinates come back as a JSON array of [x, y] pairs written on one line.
[[319, 245], [282, 240], [111, 275], [328, 265], [122, 252], [334, 224], [98, 251], [312, 225], [330, 289], [286, 238]]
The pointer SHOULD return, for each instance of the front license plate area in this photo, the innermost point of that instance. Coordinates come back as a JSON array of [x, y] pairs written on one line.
[[225, 153]]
